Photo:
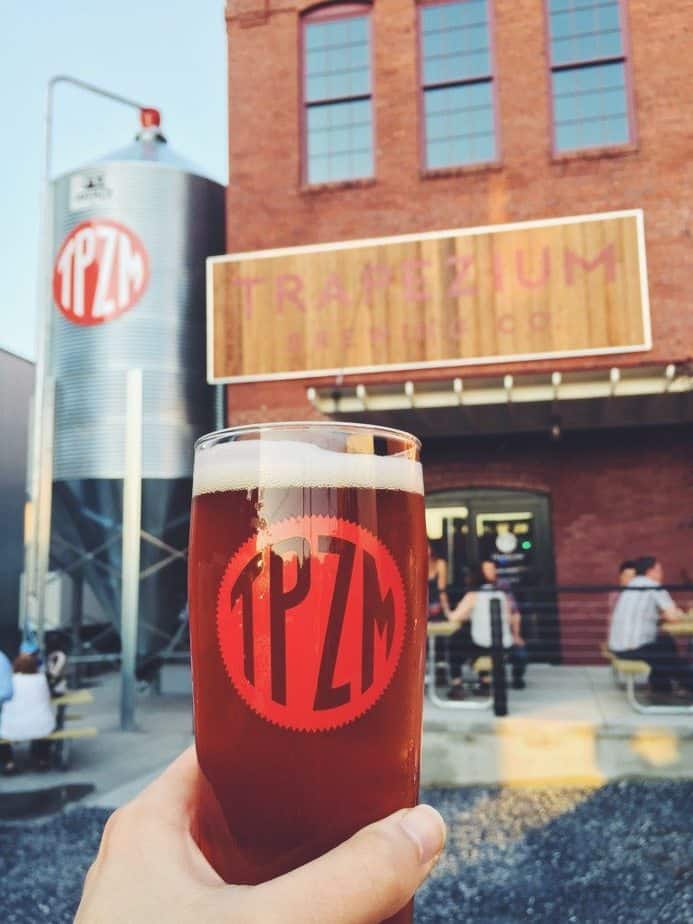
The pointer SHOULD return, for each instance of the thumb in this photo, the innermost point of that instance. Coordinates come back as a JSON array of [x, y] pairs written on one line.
[[365, 880]]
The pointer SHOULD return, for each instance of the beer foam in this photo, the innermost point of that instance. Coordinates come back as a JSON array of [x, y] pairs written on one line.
[[247, 464]]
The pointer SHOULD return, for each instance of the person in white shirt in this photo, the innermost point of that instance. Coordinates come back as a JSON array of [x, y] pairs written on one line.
[[473, 613], [28, 716], [634, 633]]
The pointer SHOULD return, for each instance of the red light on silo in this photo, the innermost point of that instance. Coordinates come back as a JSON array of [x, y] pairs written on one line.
[[150, 118]]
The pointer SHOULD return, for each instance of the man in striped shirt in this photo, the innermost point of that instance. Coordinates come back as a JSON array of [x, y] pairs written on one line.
[[634, 636]]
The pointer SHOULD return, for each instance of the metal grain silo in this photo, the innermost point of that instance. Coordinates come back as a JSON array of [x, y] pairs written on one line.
[[131, 233]]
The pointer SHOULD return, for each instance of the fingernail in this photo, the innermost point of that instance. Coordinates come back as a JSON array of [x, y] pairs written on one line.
[[424, 826]]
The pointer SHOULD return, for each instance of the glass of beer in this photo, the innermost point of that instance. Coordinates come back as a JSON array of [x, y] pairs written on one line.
[[307, 594]]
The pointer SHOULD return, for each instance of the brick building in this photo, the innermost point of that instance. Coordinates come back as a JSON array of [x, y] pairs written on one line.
[[357, 121]]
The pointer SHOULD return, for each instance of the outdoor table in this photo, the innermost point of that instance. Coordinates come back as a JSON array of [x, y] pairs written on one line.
[[682, 629], [434, 630], [70, 698], [445, 630]]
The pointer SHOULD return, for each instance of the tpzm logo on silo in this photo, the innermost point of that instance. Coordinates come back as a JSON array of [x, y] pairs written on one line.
[[101, 270]]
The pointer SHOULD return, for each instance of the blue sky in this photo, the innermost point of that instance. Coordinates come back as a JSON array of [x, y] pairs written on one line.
[[170, 54]]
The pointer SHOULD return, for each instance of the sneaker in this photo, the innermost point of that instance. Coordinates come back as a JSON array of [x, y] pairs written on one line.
[[456, 692], [10, 768], [519, 684]]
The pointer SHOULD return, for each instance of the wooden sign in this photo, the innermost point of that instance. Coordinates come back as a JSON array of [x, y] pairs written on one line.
[[528, 291]]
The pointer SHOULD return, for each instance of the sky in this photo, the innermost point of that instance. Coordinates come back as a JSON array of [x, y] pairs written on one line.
[[170, 54]]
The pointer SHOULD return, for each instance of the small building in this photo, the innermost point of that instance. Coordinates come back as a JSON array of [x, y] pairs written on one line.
[[552, 142], [16, 387]]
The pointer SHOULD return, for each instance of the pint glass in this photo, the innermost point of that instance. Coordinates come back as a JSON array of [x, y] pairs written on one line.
[[308, 618]]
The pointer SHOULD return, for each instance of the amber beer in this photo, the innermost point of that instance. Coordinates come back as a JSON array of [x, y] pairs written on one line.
[[307, 612]]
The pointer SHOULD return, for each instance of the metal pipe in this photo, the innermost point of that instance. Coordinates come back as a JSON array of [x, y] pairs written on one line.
[[87, 87], [500, 690], [132, 523], [219, 407], [34, 594], [37, 543], [44, 506]]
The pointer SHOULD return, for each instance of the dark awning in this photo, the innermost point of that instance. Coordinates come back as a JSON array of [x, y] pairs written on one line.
[[527, 403]]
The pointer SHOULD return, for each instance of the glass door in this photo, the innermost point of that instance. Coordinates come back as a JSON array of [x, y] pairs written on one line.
[[512, 529]]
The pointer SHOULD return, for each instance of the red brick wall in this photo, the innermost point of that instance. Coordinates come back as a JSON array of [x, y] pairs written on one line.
[[267, 207], [608, 500], [612, 496]]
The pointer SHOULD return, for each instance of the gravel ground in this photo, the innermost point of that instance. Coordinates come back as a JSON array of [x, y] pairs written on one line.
[[623, 853]]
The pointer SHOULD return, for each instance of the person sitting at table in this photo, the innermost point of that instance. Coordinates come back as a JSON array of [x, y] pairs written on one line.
[[28, 716], [519, 656], [634, 632], [473, 639], [438, 605], [626, 573], [438, 602]]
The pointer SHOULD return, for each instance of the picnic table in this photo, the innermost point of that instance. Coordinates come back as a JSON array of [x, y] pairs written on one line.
[[63, 735], [445, 629], [682, 629], [629, 671]]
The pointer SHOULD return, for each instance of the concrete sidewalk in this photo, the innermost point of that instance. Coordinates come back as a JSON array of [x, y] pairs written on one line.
[[571, 725]]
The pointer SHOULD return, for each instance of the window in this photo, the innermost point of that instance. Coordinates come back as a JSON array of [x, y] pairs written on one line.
[[588, 74], [457, 80], [338, 115]]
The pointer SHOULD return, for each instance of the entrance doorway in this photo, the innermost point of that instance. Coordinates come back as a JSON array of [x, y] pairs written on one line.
[[513, 529]]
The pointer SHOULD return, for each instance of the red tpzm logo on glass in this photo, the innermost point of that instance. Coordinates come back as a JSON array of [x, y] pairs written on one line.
[[101, 271], [311, 622]]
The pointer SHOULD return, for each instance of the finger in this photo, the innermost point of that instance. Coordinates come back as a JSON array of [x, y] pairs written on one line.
[[363, 881]]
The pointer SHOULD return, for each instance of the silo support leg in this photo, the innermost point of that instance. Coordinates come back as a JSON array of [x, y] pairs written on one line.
[[132, 521]]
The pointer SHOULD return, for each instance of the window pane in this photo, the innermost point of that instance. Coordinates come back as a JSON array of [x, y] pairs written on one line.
[[485, 146], [337, 59], [339, 167], [459, 151], [583, 30], [318, 169], [437, 154], [314, 35], [455, 41], [340, 141], [566, 137], [590, 106], [616, 130], [362, 163], [319, 143], [459, 125]]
